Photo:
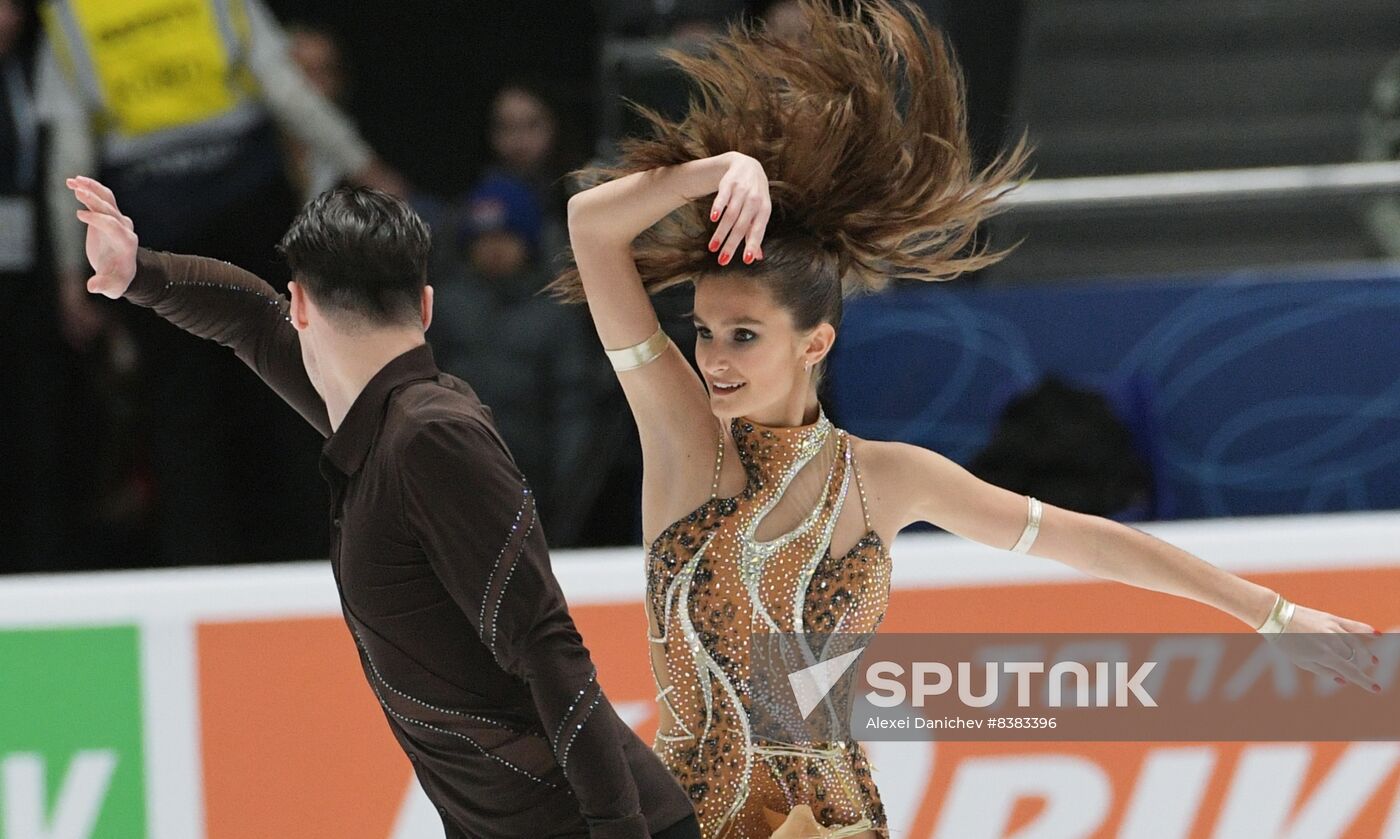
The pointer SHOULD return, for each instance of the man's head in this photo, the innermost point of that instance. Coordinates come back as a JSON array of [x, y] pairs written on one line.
[[361, 257], [359, 265]]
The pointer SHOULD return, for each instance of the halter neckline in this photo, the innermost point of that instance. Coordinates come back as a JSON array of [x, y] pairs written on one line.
[[789, 429]]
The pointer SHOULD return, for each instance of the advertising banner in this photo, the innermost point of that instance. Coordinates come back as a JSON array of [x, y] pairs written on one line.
[[229, 703]]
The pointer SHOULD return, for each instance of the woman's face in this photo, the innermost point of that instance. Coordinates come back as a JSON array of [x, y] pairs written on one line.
[[787, 22], [753, 358], [522, 130], [318, 56]]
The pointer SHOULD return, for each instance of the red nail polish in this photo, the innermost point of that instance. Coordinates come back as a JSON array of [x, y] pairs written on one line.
[[714, 215], [748, 258], [714, 245], [724, 258]]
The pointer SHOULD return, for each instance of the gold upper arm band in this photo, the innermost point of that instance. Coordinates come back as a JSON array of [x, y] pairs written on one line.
[[630, 358]]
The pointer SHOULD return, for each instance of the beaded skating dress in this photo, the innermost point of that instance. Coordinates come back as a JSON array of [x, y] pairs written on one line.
[[710, 584]]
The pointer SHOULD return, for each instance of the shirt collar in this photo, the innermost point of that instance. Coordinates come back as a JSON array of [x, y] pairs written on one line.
[[347, 447]]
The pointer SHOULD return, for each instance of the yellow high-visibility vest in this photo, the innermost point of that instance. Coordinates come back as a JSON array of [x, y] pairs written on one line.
[[153, 65]]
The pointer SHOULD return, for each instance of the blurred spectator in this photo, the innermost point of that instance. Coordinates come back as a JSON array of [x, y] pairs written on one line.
[[693, 31], [784, 20], [1380, 138], [525, 146], [669, 18], [33, 514], [317, 52], [1067, 447], [532, 360], [176, 112]]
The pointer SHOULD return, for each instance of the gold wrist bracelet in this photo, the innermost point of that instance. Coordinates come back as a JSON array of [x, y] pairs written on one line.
[[1033, 513], [1278, 618]]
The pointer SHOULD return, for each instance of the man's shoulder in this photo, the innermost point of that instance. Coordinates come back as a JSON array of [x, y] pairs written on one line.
[[442, 397], [442, 409]]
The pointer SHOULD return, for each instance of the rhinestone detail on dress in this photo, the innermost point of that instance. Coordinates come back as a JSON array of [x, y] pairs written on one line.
[[711, 583]]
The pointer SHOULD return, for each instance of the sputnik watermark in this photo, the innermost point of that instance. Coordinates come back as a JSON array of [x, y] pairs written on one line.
[[889, 689], [809, 688]]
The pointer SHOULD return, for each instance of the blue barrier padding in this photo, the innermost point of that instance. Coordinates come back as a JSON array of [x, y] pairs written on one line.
[[1248, 394]]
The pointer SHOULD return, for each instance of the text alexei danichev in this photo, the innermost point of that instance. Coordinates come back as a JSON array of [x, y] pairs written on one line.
[[882, 723], [921, 722]]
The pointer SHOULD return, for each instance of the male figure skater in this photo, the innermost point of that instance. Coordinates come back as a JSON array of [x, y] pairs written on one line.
[[441, 565]]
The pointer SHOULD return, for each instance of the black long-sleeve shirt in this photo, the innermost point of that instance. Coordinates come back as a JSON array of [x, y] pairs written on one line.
[[445, 583]]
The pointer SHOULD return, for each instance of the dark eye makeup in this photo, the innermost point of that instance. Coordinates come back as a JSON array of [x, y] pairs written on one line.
[[740, 334]]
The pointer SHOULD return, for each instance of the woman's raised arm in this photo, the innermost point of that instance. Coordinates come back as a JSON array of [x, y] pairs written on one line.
[[668, 400], [605, 219]]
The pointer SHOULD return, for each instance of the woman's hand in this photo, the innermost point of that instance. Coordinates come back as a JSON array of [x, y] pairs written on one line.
[[1328, 645], [742, 207]]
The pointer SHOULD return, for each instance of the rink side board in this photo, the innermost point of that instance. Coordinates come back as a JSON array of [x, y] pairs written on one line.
[[255, 721]]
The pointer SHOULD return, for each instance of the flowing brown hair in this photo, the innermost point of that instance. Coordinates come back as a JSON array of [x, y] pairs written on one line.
[[862, 131]]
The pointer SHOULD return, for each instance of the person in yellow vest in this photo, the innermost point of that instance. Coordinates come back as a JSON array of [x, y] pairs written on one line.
[[161, 93], [177, 104]]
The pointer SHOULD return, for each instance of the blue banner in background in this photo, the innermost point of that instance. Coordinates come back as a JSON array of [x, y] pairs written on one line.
[[1251, 394]]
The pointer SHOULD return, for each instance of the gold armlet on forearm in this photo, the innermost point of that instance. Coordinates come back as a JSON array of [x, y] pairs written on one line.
[[1033, 512]]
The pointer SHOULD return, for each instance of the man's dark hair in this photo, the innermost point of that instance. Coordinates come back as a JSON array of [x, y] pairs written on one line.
[[360, 251]]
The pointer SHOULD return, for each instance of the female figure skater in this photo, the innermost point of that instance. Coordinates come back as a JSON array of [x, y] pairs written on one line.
[[835, 163]]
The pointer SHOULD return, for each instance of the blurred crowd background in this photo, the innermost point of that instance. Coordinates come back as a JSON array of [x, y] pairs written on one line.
[[126, 443]]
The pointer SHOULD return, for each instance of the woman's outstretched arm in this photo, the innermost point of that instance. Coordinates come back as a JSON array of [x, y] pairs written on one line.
[[926, 486]]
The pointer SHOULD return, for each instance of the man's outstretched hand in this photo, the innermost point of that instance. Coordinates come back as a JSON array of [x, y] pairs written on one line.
[[111, 239]]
